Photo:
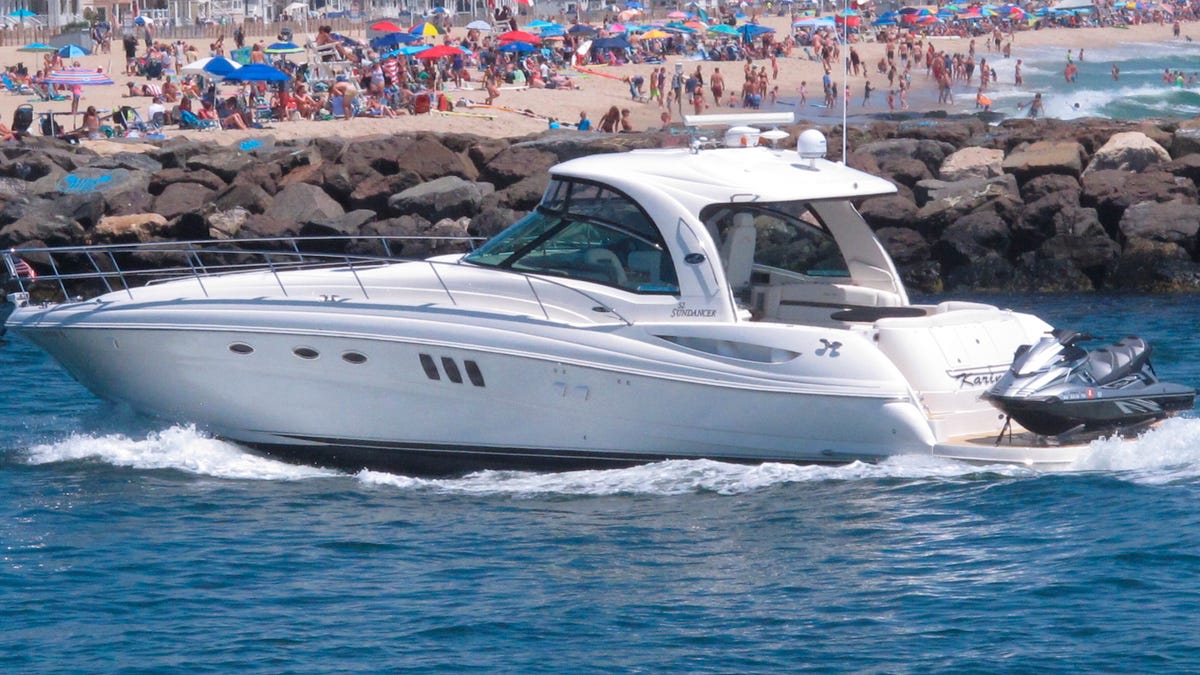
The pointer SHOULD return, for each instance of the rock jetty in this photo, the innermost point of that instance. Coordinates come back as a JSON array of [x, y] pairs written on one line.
[[1022, 206]]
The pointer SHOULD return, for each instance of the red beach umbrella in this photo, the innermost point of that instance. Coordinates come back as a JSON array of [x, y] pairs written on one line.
[[439, 51], [520, 36], [386, 27]]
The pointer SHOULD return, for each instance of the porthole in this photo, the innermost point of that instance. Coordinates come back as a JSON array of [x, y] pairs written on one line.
[[306, 352], [354, 357], [241, 348]]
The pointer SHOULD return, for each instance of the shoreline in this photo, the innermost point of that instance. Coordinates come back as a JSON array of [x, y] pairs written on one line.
[[602, 88]]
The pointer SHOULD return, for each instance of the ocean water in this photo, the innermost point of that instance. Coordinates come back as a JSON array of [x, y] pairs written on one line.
[[1138, 93], [133, 545]]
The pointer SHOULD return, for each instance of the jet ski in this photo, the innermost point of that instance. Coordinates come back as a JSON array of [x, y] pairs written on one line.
[[1056, 387]]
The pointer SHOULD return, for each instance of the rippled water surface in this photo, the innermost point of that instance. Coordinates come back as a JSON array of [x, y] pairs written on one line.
[[127, 544]]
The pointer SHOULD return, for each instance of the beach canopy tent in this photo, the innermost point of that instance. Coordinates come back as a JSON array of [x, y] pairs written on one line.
[[258, 72], [214, 67], [618, 42]]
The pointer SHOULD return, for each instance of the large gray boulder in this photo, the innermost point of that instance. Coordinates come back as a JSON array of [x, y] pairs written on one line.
[[302, 203], [1128, 151], [1027, 162], [1173, 222], [972, 162], [447, 197]]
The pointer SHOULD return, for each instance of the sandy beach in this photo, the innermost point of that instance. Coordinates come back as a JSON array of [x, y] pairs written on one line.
[[598, 91]]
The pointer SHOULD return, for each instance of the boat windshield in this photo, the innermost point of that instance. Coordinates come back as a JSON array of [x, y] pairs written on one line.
[[787, 236], [582, 230]]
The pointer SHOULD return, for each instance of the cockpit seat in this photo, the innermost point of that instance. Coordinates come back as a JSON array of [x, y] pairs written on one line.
[[737, 250], [608, 264]]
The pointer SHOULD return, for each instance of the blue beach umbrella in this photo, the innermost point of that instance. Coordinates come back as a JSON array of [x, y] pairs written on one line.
[[518, 47], [72, 51], [394, 40], [37, 47], [258, 72]]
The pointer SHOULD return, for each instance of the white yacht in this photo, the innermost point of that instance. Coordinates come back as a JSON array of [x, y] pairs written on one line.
[[723, 303]]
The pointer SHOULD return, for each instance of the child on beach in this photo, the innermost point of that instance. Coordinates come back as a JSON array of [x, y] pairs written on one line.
[[891, 99], [803, 93]]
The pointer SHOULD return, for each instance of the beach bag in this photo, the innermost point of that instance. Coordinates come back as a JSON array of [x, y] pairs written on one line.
[[46, 127], [421, 104], [443, 103]]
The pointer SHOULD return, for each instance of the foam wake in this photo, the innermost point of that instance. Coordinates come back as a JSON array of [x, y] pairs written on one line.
[[683, 477], [1168, 453], [182, 448]]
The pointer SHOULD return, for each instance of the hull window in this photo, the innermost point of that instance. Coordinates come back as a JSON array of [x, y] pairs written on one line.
[[473, 373], [354, 357], [430, 368], [451, 369], [241, 348], [307, 353]]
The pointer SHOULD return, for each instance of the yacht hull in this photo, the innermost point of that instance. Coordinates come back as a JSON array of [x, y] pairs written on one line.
[[438, 407]]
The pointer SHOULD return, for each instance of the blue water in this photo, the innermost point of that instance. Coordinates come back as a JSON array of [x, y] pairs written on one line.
[[131, 545], [1138, 93]]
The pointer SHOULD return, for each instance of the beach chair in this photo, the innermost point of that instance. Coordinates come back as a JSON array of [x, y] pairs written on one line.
[[22, 119], [14, 87], [188, 120], [129, 120]]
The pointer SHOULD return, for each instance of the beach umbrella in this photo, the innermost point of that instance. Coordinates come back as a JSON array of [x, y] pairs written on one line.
[[439, 52], [677, 15], [695, 25], [72, 51], [284, 48], [73, 76], [551, 29], [384, 42], [750, 31], [616, 28], [812, 22], [411, 50], [519, 36], [37, 47], [258, 72], [518, 47], [479, 24], [629, 14], [211, 66], [538, 23], [388, 27], [580, 28], [143, 20], [722, 29], [425, 29], [21, 13], [680, 27], [655, 34]]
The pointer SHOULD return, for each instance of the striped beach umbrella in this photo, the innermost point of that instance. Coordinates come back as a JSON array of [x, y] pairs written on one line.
[[284, 48], [73, 76], [427, 29]]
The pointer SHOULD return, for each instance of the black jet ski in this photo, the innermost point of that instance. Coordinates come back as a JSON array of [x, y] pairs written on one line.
[[1056, 387]]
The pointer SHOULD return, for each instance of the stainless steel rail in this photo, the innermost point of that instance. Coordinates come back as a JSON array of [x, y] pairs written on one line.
[[205, 259]]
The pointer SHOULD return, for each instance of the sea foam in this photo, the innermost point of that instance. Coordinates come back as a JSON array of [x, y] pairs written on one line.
[[182, 448]]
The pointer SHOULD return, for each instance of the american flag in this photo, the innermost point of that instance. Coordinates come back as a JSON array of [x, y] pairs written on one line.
[[24, 269]]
